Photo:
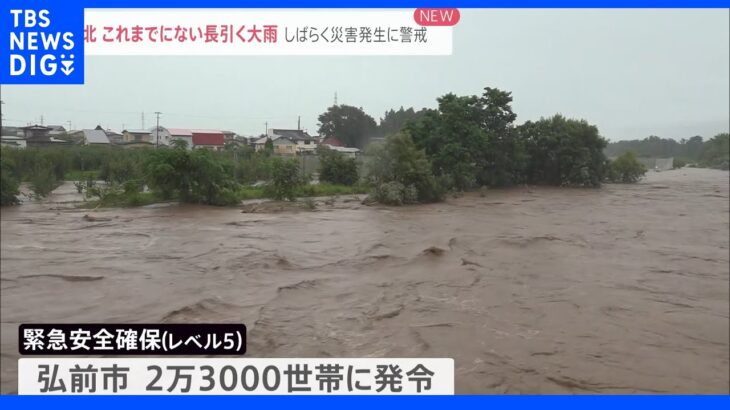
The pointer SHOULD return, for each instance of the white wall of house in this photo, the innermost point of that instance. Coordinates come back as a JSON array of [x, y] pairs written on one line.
[[186, 138], [10, 141]]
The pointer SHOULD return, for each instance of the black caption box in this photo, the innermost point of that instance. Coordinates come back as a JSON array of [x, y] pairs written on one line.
[[153, 339]]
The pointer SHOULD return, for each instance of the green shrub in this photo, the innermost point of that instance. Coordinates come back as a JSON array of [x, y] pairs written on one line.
[[395, 193], [335, 168], [120, 169], [679, 163], [198, 176], [8, 182], [8, 189], [398, 160], [626, 169], [118, 195]]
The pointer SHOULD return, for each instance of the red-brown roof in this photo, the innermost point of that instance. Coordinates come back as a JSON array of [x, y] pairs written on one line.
[[208, 137]]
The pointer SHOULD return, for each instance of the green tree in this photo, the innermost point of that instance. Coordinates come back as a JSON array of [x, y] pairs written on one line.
[[472, 140], [349, 124], [179, 143], [716, 152], [563, 152], [394, 121]]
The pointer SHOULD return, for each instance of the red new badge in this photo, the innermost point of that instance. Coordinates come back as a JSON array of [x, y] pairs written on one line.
[[436, 17]]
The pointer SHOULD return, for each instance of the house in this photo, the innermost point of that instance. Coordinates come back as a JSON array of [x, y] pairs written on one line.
[[229, 135], [332, 142], [210, 139], [12, 141], [36, 132], [304, 142], [285, 146], [259, 143], [11, 131], [347, 151], [57, 131], [137, 136], [172, 134], [38, 136], [95, 137], [114, 137]]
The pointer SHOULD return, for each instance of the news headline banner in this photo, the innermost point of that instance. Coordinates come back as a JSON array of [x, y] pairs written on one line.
[[264, 376], [197, 32]]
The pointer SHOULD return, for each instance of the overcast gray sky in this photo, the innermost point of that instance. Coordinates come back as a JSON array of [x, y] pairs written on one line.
[[633, 73]]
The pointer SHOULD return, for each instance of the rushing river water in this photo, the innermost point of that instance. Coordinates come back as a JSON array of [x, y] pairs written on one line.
[[530, 290]]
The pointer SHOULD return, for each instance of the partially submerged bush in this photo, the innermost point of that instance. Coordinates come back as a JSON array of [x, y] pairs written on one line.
[[127, 194], [395, 193], [335, 168], [8, 182], [398, 160], [192, 176], [679, 163], [8, 189], [626, 169], [43, 181]]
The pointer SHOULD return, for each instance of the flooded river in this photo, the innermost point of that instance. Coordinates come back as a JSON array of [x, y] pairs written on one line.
[[530, 290]]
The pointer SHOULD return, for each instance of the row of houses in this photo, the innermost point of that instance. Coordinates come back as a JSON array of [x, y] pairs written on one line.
[[286, 142]]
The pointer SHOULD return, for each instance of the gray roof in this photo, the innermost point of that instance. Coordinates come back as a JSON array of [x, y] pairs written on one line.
[[95, 137], [294, 135]]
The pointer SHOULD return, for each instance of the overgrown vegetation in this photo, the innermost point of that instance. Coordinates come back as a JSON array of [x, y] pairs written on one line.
[[400, 173], [8, 181], [335, 168], [285, 179], [467, 142], [563, 152]]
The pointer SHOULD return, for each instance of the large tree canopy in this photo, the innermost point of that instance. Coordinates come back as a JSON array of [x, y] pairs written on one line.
[[563, 151], [349, 124], [471, 139]]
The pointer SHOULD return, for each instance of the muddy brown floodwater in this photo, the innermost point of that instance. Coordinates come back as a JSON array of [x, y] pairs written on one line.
[[539, 290]]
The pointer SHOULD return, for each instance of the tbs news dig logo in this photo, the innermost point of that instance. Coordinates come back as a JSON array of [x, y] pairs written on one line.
[[41, 50]]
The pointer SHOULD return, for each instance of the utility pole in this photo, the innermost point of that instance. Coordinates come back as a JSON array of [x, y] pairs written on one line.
[[299, 121], [335, 98], [41, 119], [157, 129], [266, 133]]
